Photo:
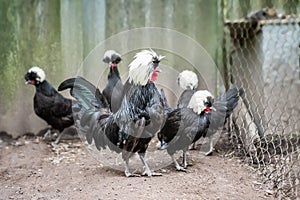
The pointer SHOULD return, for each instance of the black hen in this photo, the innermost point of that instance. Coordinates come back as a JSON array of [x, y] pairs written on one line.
[[131, 128], [48, 104], [188, 81], [114, 87], [201, 118]]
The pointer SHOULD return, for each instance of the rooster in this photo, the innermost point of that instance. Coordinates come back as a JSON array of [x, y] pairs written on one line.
[[48, 104], [130, 129], [114, 87], [201, 118]]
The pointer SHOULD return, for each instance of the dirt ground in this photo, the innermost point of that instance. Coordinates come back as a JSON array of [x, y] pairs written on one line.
[[34, 169]]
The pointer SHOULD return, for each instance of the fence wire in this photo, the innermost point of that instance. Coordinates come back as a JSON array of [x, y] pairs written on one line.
[[263, 57]]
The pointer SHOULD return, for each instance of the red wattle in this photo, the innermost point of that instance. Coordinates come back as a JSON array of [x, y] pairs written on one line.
[[113, 65], [207, 110], [154, 76]]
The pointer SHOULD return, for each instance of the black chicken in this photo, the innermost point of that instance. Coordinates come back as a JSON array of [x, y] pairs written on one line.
[[114, 87], [48, 104], [188, 81], [131, 128], [201, 118]]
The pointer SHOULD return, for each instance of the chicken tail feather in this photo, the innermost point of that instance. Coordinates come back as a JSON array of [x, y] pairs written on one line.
[[87, 109], [223, 108], [87, 95], [232, 98]]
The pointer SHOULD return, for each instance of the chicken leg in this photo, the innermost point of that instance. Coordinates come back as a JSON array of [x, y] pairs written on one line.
[[127, 170], [147, 171], [184, 159], [178, 167], [56, 142], [211, 148]]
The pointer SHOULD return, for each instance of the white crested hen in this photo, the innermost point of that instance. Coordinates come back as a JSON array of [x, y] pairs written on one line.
[[201, 118], [48, 104]]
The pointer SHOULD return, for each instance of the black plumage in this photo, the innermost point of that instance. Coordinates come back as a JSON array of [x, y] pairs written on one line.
[[188, 81], [183, 102], [130, 129], [184, 126], [48, 104], [114, 87], [185, 98]]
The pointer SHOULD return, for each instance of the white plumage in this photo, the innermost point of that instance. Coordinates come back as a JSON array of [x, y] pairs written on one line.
[[141, 68], [109, 54], [187, 80], [197, 102], [39, 72]]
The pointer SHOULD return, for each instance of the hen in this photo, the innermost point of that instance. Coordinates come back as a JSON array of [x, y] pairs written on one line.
[[130, 129], [188, 81], [48, 104], [114, 86], [201, 118]]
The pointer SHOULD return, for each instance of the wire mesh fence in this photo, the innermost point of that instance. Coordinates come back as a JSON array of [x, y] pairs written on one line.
[[263, 57]]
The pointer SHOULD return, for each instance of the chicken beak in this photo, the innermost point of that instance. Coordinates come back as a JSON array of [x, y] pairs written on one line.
[[163, 145], [112, 65], [28, 82]]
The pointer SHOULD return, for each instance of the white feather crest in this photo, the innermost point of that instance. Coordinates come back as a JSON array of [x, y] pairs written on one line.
[[108, 55], [40, 73], [140, 69], [198, 99], [187, 79]]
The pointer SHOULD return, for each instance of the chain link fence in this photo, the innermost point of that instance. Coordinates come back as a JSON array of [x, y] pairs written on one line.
[[263, 55]]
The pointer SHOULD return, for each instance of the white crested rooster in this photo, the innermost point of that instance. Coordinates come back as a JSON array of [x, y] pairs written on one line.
[[130, 129]]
